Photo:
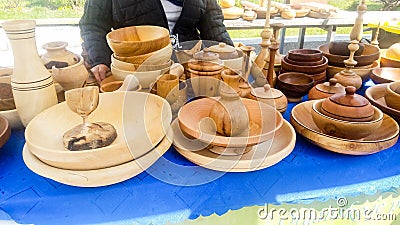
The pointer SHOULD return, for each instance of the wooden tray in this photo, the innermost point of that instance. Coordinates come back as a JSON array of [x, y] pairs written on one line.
[[259, 157], [99, 177], [376, 95], [383, 138]]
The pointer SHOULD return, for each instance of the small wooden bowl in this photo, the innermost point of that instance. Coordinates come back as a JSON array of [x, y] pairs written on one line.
[[304, 69], [363, 71], [140, 119], [159, 56], [376, 95], [385, 75], [145, 78], [137, 40], [368, 56], [141, 67], [194, 120], [342, 48], [305, 55], [342, 128], [299, 63], [392, 96], [294, 85]]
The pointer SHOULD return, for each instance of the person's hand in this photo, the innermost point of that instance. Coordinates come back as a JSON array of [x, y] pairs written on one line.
[[100, 71]]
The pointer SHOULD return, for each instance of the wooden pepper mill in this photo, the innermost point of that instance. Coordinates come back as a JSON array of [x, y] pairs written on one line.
[[348, 77]]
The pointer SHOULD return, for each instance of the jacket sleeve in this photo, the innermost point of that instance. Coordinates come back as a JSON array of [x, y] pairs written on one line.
[[94, 25], [211, 24]]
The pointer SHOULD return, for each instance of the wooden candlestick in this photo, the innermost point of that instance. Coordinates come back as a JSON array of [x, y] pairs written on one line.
[[375, 40], [276, 27], [356, 32], [266, 35]]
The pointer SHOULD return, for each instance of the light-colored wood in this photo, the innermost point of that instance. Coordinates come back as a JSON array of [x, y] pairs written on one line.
[[159, 56], [363, 71], [386, 61], [56, 51], [145, 78], [249, 15], [325, 90], [98, 177], [205, 85], [140, 67], [352, 130], [270, 96], [384, 137], [137, 40], [141, 121], [5, 130], [227, 3], [71, 77], [232, 13], [259, 157], [195, 121], [385, 75], [370, 54], [376, 95], [392, 96], [32, 83], [231, 78], [11, 115], [167, 83], [356, 32], [130, 83], [348, 77]]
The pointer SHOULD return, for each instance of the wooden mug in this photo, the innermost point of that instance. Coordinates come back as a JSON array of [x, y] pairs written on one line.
[[166, 84]]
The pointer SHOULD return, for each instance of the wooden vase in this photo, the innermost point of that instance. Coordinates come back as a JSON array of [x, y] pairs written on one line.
[[32, 84]]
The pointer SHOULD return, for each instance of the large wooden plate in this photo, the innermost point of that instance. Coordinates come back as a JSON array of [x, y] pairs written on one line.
[[99, 177], [384, 137], [376, 95], [259, 157]]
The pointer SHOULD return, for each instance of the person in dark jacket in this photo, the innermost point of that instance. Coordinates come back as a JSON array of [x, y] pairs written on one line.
[[186, 19]]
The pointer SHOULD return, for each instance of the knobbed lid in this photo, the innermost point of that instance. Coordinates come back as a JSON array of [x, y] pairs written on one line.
[[349, 106], [224, 51], [331, 87], [266, 92], [206, 56]]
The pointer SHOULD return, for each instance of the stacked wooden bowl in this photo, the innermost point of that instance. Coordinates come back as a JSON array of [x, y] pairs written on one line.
[[140, 49], [308, 61]]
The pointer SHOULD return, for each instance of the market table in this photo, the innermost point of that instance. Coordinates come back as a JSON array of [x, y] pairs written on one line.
[[174, 189]]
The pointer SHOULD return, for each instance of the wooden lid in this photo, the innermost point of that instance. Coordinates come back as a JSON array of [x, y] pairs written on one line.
[[266, 92], [349, 106], [331, 87], [224, 51], [206, 56]]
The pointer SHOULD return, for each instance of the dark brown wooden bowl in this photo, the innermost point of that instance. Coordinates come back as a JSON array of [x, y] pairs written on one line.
[[305, 55], [294, 85], [368, 56], [294, 62], [305, 69], [342, 48]]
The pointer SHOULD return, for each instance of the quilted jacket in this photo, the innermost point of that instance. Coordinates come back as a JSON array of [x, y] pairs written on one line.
[[200, 19]]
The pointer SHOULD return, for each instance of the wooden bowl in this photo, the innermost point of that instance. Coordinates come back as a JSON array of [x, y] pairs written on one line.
[[294, 85], [134, 66], [384, 137], [140, 119], [376, 95], [12, 116], [137, 40], [5, 130], [342, 48], [305, 55], [232, 13], [387, 61], [159, 56], [304, 69], [302, 12], [299, 63], [385, 75], [364, 72], [145, 78], [343, 128], [368, 56], [392, 96], [194, 120], [288, 14]]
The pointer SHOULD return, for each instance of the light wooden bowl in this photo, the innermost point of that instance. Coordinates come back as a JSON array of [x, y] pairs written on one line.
[[342, 128], [194, 120], [140, 119], [392, 96], [12, 115], [145, 78], [387, 61], [368, 56], [97, 177], [232, 13], [5, 130], [258, 157], [137, 40], [363, 71], [376, 95], [159, 56], [384, 137], [385, 75], [141, 67]]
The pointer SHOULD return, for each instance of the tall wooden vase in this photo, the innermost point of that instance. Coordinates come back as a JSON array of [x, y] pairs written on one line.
[[32, 84]]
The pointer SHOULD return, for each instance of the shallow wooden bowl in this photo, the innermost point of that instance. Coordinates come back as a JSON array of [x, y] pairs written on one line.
[[137, 40], [12, 115], [384, 137], [368, 56], [294, 85], [134, 66], [387, 61], [364, 72], [342, 128], [159, 56], [342, 48], [376, 95], [194, 120], [392, 96], [305, 55], [5, 130], [385, 75], [140, 119], [309, 69]]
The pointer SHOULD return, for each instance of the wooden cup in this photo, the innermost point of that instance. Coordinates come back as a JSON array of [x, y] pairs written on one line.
[[166, 84]]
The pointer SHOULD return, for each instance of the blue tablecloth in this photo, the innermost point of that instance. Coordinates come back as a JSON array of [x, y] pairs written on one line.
[[309, 173]]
